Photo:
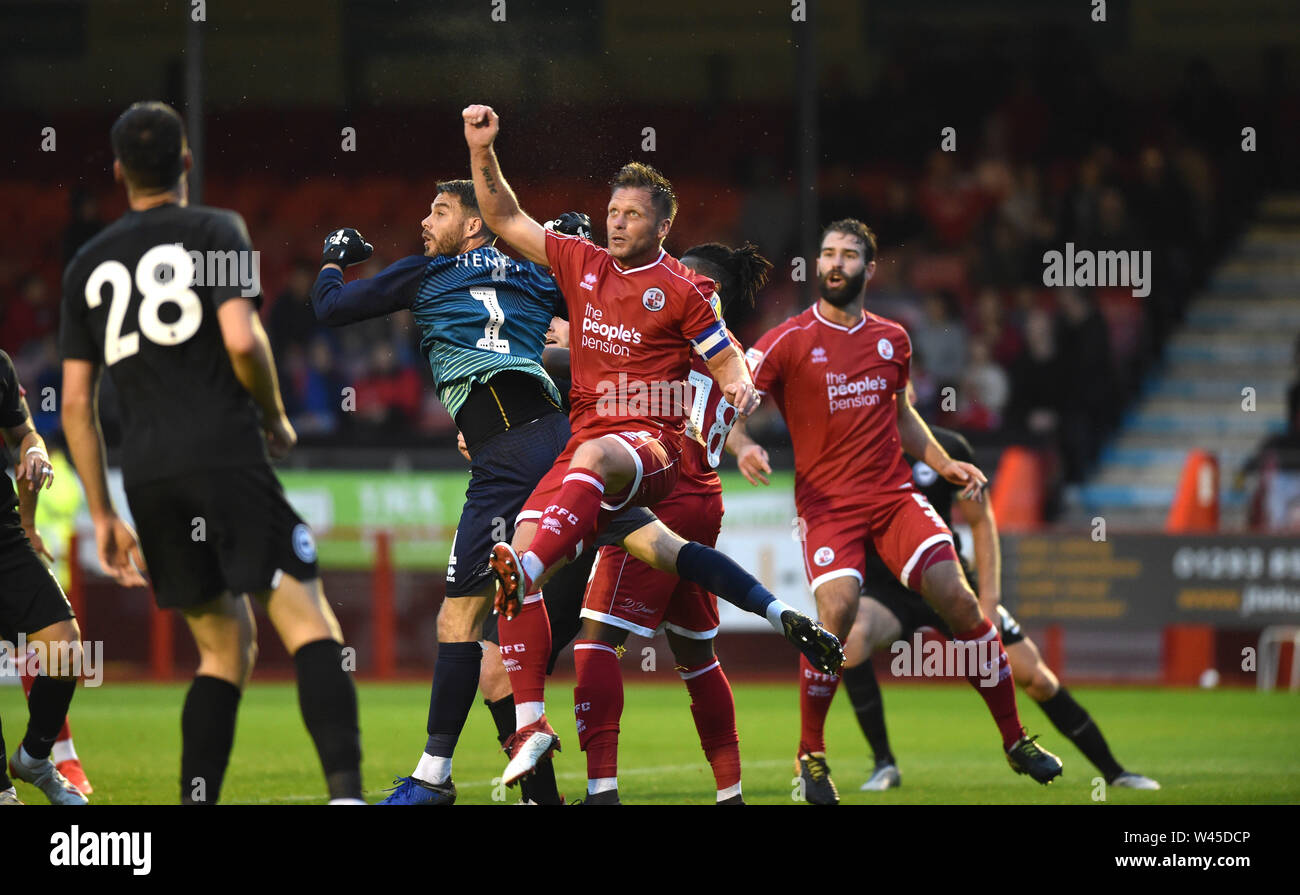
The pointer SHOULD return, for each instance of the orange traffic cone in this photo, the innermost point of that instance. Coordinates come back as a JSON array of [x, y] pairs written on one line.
[[1017, 491], [1196, 503]]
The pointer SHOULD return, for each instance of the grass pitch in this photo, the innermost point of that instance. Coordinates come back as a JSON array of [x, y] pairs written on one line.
[[1205, 747]]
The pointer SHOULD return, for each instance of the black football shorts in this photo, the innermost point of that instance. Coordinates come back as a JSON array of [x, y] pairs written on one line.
[[30, 596], [913, 612], [217, 530]]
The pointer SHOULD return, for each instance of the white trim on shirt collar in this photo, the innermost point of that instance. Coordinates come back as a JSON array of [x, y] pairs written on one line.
[[638, 269], [861, 323]]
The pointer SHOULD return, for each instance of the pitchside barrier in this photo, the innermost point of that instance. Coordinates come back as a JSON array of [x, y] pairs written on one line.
[[1187, 602]]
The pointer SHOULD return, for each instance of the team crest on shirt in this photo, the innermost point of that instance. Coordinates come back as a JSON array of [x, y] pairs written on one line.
[[824, 556], [653, 299], [886, 348], [304, 545]]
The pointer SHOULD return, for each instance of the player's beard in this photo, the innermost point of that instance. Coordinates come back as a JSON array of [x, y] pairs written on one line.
[[843, 294], [439, 246]]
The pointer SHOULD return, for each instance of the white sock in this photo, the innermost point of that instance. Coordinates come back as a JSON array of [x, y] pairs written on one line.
[[433, 769], [528, 712], [63, 751], [729, 792], [346, 802], [533, 567], [774, 610], [602, 784], [21, 757]]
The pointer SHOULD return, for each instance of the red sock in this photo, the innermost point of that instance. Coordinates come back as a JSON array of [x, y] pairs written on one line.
[[816, 690], [598, 705], [1000, 698], [526, 648], [572, 516], [714, 708]]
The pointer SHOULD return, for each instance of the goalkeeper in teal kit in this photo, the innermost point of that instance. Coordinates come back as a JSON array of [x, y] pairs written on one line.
[[483, 318]]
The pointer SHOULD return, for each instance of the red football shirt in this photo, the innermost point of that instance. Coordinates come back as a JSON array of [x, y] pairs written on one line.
[[631, 332], [836, 387]]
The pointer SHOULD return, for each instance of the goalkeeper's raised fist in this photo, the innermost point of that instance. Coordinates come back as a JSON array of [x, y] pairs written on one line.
[[345, 247], [571, 223]]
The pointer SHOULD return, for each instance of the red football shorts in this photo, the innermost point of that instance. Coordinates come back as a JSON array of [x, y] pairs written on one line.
[[901, 525], [655, 455], [626, 593]]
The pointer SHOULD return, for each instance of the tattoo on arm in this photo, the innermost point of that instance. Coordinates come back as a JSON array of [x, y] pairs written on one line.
[[490, 181]]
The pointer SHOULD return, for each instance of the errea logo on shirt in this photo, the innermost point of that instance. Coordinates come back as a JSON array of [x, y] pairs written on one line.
[[588, 281], [819, 355]]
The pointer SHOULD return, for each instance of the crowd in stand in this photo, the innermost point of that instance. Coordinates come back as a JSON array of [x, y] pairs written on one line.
[[962, 235]]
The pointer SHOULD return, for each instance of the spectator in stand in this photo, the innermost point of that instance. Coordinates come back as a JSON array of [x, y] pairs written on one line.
[[949, 200], [32, 316], [984, 391], [314, 392], [1037, 383], [291, 320], [85, 222], [389, 397], [41, 369], [1081, 208], [1003, 337], [941, 338], [898, 225], [1003, 260], [1089, 380]]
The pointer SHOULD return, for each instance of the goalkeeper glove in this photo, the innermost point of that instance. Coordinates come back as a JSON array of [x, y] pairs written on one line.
[[571, 223], [345, 247]]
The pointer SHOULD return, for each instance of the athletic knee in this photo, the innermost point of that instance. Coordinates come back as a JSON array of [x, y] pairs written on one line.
[[1042, 684], [459, 619], [691, 653], [593, 455], [957, 603], [838, 617]]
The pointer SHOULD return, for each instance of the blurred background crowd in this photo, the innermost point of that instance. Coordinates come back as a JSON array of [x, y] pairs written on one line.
[[1043, 154]]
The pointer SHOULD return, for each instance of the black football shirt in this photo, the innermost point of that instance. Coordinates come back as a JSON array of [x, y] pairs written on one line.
[[133, 303]]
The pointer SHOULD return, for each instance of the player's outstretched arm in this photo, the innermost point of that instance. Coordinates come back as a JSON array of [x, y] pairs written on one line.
[[496, 201], [728, 367], [917, 440], [250, 356], [978, 514], [119, 550]]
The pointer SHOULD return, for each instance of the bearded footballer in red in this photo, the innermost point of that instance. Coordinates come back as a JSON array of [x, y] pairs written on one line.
[[836, 371]]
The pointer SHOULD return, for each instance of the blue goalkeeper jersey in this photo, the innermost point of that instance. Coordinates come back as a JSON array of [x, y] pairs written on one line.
[[480, 313]]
